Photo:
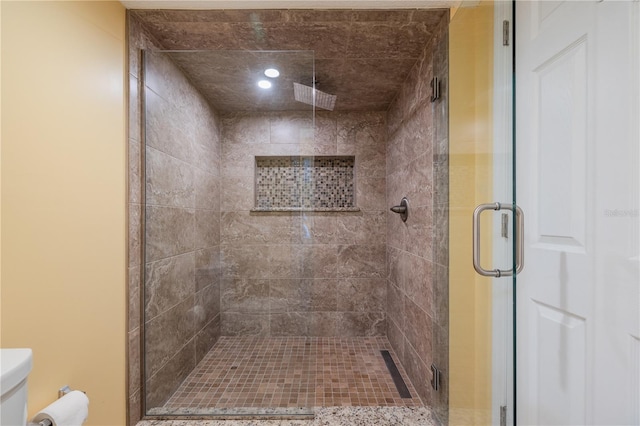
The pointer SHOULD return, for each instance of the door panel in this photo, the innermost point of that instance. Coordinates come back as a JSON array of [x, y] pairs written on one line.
[[577, 182], [562, 127], [560, 348]]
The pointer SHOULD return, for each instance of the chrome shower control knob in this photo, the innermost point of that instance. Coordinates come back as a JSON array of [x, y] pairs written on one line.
[[402, 209]]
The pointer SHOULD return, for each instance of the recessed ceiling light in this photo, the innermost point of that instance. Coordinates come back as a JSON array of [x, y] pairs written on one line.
[[271, 72], [264, 84]]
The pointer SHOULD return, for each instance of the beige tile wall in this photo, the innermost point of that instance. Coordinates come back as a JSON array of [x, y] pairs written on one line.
[[303, 273], [181, 297], [441, 220], [182, 285], [417, 250]]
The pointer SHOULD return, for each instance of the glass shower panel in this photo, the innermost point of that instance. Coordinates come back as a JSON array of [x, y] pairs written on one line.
[[220, 274], [481, 172]]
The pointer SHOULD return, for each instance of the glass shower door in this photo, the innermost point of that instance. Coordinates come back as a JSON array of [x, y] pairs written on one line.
[[483, 219], [216, 258]]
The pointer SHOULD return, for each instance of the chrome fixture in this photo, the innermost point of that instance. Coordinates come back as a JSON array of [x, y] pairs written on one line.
[[312, 96], [519, 240], [435, 89], [402, 209]]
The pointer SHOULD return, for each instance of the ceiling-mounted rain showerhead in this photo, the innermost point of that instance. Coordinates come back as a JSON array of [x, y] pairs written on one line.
[[311, 96]]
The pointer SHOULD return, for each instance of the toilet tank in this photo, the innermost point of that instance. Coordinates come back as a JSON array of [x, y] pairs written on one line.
[[15, 365]]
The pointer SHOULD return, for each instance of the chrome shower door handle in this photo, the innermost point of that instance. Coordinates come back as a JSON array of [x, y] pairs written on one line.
[[519, 240]]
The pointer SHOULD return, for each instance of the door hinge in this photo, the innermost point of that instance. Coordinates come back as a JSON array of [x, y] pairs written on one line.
[[505, 33], [435, 89], [505, 225], [436, 377], [503, 415]]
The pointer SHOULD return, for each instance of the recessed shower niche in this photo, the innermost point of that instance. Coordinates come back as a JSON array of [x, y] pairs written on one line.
[[319, 183]]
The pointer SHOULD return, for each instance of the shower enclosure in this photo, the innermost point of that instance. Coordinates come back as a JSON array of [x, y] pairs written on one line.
[[258, 259], [273, 276], [265, 282]]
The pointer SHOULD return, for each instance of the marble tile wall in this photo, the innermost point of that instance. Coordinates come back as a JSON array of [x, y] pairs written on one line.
[[417, 250], [362, 56], [303, 273], [182, 285], [441, 214], [178, 304]]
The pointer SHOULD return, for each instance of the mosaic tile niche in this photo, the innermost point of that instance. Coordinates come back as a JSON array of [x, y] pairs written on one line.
[[319, 183]]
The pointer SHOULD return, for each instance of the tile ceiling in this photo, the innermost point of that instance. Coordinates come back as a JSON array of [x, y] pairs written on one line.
[[362, 56]]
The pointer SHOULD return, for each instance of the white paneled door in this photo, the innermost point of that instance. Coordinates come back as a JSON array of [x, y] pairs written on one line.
[[577, 158]]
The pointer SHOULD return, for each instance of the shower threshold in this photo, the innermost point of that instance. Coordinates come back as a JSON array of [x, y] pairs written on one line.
[[238, 413]]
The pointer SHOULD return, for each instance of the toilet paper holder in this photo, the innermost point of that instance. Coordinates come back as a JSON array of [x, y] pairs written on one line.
[[61, 392]]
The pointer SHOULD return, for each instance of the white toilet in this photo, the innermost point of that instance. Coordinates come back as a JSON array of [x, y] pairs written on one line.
[[15, 365]]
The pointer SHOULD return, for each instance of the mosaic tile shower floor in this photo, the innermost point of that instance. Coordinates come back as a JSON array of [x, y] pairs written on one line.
[[292, 372]]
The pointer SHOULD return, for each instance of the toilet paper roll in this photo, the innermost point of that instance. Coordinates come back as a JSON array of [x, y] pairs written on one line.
[[70, 410]]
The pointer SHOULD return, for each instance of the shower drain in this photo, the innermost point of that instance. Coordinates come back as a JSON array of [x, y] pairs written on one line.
[[401, 386]]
